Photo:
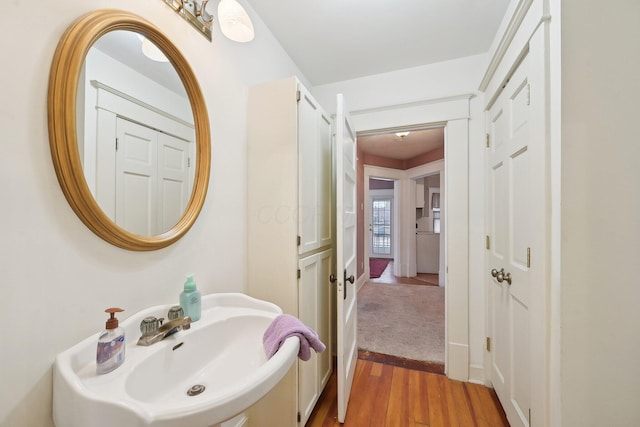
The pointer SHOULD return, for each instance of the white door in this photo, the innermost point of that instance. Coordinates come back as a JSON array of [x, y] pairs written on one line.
[[173, 180], [347, 351], [381, 227], [309, 287], [510, 232], [136, 177], [308, 164], [315, 308]]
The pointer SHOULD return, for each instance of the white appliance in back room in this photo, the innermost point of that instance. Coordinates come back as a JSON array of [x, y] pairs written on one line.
[[428, 227], [427, 248]]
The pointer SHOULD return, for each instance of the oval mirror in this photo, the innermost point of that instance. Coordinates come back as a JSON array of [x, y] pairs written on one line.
[[129, 131]]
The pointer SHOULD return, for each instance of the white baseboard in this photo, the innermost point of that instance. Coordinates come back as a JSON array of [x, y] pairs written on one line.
[[458, 361], [361, 280], [476, 374]]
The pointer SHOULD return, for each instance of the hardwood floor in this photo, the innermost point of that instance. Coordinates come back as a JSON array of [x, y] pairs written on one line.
[[391, 396]]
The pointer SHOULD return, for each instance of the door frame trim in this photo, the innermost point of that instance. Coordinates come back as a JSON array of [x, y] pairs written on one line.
[[454, 113]]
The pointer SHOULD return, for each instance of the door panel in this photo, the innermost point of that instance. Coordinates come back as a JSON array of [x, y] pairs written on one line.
[[498, 214], [325, 202], [510, 231], [308, 151], [136, 177], [315, 309], [347, 353], [173, 180], [308, 289], [325, 324]]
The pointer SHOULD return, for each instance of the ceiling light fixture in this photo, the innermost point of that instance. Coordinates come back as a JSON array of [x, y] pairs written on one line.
[[234, 20], [152, 51], [401, 135]]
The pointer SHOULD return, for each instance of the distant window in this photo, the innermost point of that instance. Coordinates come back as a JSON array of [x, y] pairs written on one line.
[[381, 227]]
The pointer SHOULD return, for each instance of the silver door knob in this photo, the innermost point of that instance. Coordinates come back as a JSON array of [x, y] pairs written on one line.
[[502, 276], [507, 278], [495, 272], [333, 278], [349, 279]]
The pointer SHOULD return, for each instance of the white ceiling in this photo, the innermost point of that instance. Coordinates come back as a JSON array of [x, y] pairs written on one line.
[[125, 47], [335, 40], [394, 147]]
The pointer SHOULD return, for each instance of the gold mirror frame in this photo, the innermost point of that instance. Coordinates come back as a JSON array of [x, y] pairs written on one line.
[[63, 87]]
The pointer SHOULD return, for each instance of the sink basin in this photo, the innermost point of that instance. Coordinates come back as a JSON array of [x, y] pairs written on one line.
[[198, 377]]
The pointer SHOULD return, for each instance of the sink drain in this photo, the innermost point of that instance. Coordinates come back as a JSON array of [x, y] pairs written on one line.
[[195, 390]]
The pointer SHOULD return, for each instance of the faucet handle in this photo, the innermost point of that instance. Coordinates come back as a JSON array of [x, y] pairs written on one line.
[[175, 312], [149, 326]]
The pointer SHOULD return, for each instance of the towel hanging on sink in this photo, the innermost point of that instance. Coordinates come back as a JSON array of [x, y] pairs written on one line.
[[285, 326]]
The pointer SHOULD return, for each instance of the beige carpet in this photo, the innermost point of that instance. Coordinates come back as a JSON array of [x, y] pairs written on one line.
[[402, 320]]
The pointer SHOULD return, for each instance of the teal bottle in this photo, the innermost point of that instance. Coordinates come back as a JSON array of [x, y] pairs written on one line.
[[190, 299]]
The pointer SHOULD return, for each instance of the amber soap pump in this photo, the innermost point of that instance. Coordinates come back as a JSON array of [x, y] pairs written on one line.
[[110, 351]]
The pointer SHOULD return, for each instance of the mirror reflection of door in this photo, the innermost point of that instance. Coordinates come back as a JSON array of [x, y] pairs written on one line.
[[381, 227], [152, 178]]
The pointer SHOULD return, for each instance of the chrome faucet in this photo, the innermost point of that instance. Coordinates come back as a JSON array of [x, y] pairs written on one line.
[[152, 333]]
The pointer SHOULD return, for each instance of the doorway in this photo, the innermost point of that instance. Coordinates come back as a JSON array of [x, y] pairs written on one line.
[[380, 227], [399, 304], [462, 362]]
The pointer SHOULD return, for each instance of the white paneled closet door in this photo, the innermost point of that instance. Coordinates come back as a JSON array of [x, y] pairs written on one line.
[[136, 177], [314, 293], [152, 178], [315, 175], [510, 231]]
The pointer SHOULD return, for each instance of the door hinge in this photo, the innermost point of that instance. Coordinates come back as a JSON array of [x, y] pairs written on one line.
[[299, 417], [299, 240], [299, 273], [488, 140], [528, 257], [488, 242], [488, 344], [117, 144], [188, 162], [298, 95], [529, 94], [529, 417]]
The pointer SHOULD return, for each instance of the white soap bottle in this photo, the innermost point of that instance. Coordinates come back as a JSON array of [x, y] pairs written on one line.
[[111, 345]]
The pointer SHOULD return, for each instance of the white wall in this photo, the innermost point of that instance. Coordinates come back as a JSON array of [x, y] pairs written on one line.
[[600, 222], [427, 82], [422, 85], [56, 277], [122, 77]]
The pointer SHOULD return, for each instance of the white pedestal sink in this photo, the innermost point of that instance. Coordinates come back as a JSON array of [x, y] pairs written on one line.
[[221, 356]]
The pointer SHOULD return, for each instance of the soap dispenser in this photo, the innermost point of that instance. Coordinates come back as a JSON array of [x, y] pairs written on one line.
[[190, 299], [110, 352]]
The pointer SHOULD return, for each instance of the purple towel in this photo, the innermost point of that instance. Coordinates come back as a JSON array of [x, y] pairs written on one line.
[[285, 326]]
